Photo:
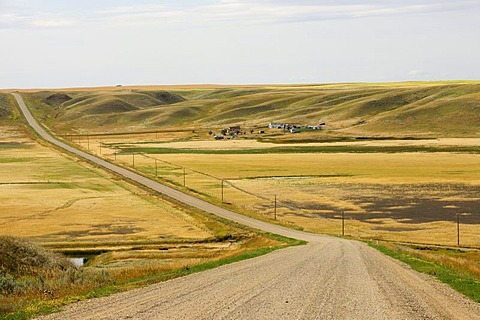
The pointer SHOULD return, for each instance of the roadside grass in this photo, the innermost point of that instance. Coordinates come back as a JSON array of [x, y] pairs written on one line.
[[29, 272], [458, 268], [253, 251], [131, 278]]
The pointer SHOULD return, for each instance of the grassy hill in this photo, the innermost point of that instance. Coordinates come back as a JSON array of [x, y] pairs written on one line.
[[6, 110], [394, 109]]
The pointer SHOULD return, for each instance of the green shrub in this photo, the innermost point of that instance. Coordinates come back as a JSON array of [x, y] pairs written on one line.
[[7, 283]]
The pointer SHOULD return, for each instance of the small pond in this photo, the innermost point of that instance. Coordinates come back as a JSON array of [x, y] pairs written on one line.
[[78, 261]]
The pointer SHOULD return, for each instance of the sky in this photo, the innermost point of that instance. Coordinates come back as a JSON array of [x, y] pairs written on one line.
[[83, 43]]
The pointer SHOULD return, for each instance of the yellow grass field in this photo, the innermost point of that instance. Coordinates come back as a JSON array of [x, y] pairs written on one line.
[[69, 206], [412, 191], [48, 197], [410, 197]]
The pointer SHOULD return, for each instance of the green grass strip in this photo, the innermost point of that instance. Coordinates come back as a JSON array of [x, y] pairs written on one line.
[[305, 149], [459, 281]]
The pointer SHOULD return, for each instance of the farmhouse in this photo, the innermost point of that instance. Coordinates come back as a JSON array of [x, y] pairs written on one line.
[[234, 129], [294, 128], [285, 126], [317, 127], [273, 125]]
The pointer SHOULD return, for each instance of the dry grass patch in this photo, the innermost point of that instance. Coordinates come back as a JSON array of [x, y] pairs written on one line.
[[396, 196], [131, 264], [51, 198]]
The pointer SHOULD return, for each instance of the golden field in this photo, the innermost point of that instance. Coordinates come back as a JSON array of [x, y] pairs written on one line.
[[52, 198], [401, 196], [399, 159], [70, 206]]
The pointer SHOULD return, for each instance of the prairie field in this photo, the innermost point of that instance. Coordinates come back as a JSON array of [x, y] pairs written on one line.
[[398, 160], [400, 196], [126, 236], [48, 197], [70, 206]]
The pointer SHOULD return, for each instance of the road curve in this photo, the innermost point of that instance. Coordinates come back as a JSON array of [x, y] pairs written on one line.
[[329, 278]]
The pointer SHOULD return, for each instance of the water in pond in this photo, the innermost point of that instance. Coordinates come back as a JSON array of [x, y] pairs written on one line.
[[78, 261]]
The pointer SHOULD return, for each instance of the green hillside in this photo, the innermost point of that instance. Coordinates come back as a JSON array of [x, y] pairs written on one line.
[[395, 109]]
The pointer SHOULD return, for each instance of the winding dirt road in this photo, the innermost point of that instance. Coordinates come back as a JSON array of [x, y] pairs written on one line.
[[329, 278]]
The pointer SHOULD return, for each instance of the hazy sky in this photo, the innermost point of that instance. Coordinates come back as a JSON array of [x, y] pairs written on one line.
[[54, 43]]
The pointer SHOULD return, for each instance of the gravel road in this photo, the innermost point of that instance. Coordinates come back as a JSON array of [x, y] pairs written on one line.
[[329, 278]]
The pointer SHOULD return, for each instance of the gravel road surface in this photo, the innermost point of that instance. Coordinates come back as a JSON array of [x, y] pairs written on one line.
[[329, 278]]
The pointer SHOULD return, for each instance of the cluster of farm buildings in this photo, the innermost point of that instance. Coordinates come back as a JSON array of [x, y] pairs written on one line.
[[293, 128]]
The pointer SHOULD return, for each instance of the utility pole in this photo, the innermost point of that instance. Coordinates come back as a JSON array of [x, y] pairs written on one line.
[[156, 169], [458, 229], [133, 160], [184, 176], [88, 143], [275, 208], [343, 222], [100, 144], [222, 190], [115, 155]]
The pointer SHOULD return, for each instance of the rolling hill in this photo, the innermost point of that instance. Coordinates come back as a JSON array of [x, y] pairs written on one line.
[[394, 109], [6, 111]]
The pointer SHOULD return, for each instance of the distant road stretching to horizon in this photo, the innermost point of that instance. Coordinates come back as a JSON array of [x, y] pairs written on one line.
[[329, 278]]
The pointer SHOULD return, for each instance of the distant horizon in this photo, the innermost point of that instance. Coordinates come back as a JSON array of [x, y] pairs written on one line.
[[213, 85]]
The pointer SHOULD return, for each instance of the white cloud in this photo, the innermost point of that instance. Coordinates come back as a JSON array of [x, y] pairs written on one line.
[[53, 22], [7, 19], [235, 11], [132, 9], [248, 11]]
